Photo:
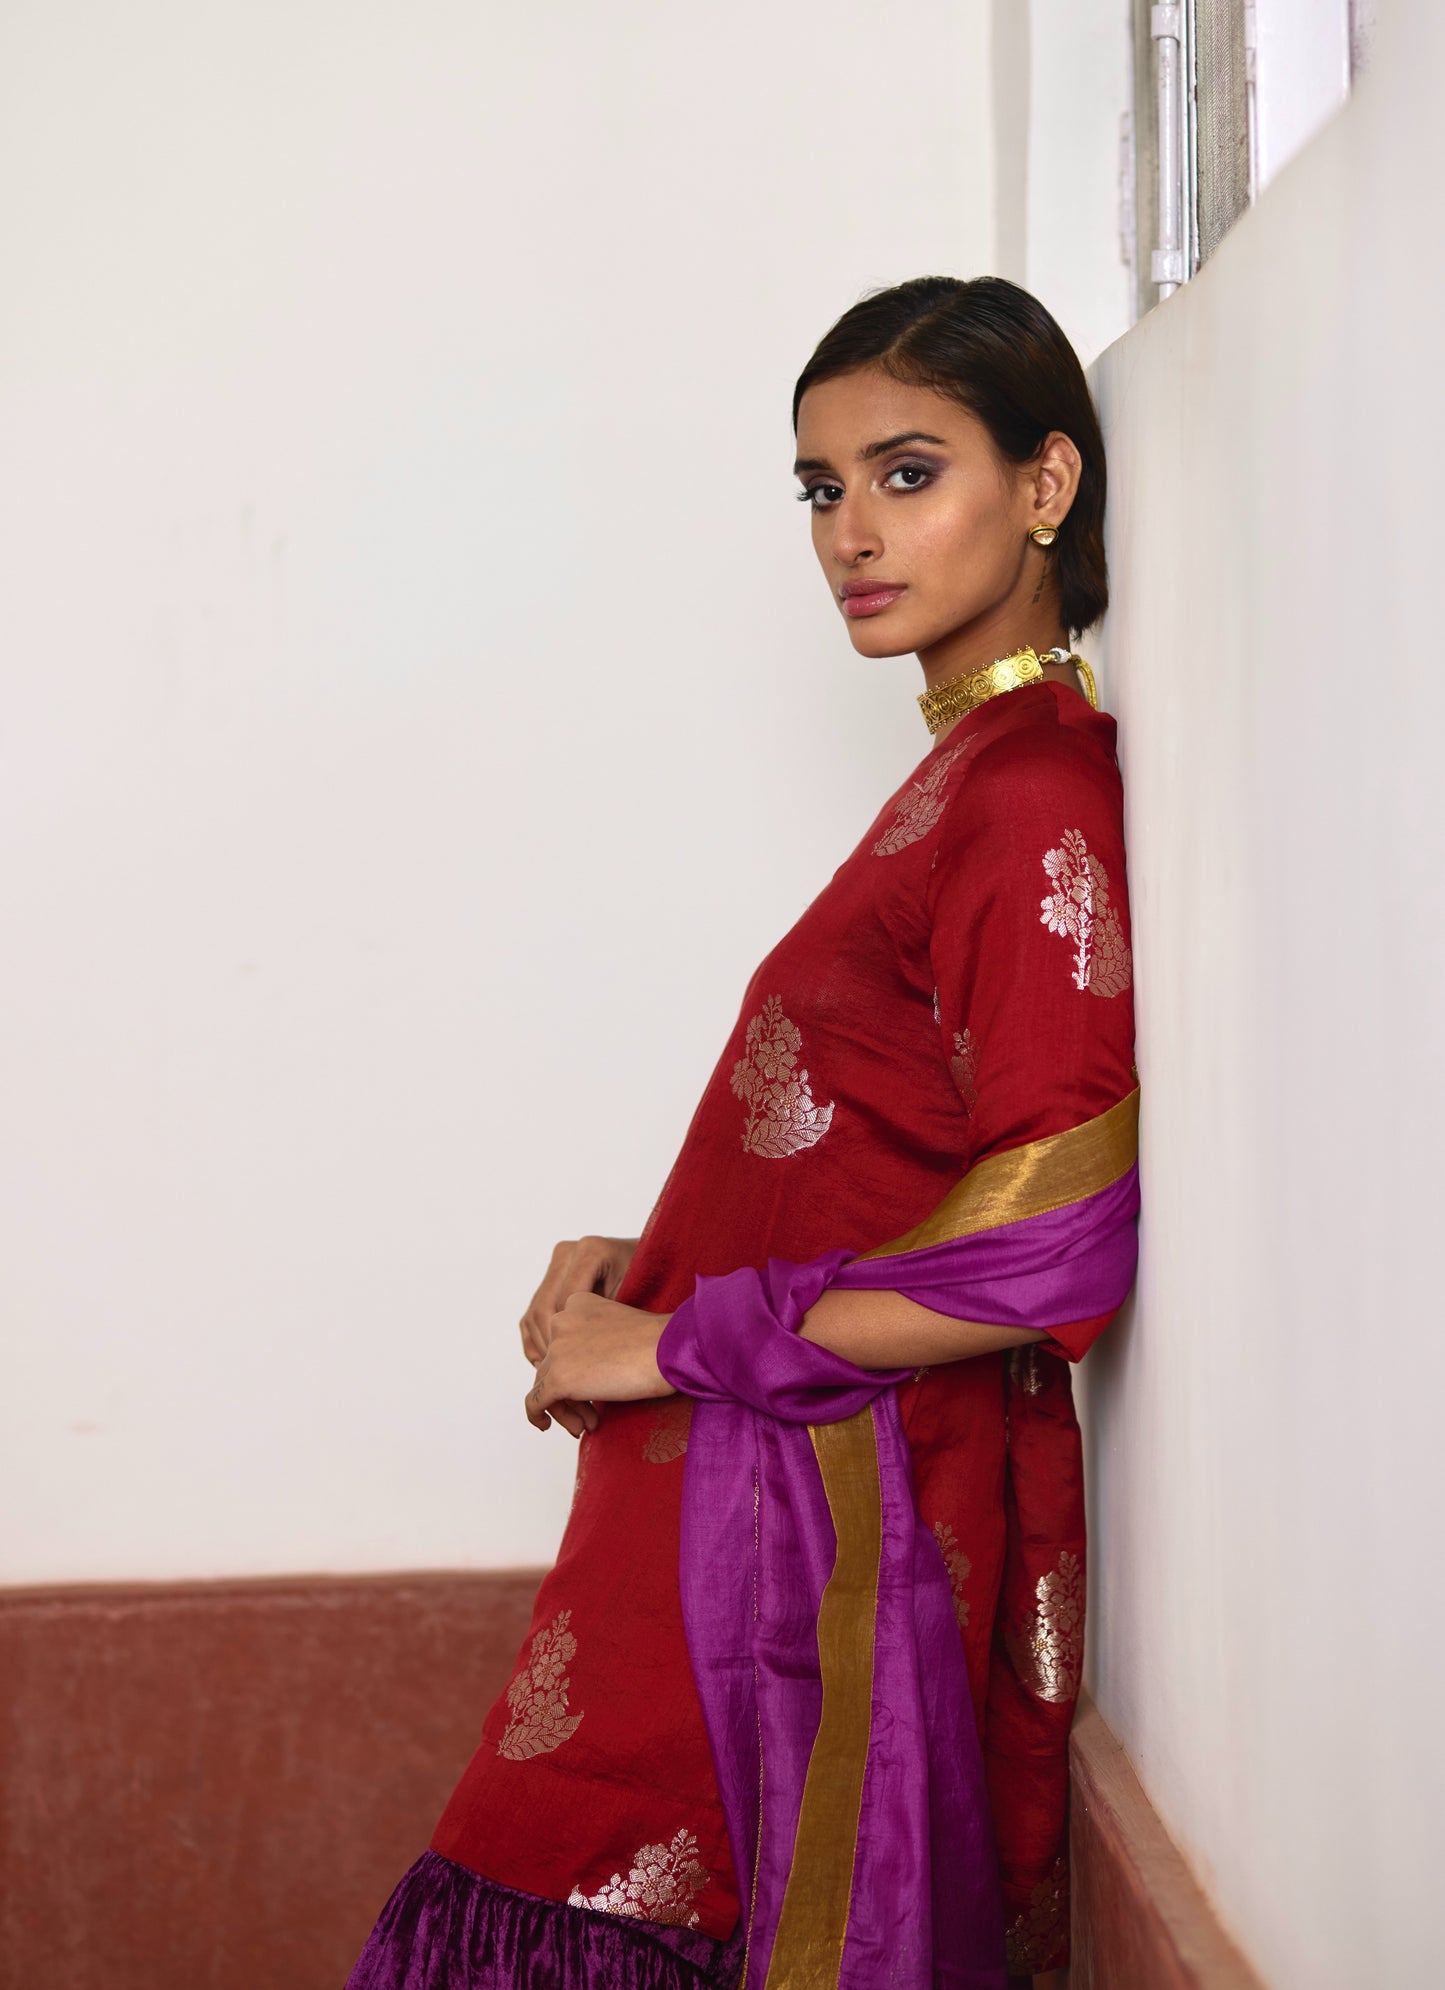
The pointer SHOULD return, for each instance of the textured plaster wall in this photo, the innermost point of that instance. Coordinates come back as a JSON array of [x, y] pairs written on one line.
[[1266, 1530], [422, 709]]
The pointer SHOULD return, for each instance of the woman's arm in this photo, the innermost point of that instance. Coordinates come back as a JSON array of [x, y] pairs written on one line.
[[600, 1352], [1030, 958], [885, 1330]]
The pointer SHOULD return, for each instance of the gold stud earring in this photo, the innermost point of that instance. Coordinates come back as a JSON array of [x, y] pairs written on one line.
[[1044, 535]]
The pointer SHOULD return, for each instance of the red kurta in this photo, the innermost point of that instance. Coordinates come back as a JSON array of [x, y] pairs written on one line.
[[960, 987]]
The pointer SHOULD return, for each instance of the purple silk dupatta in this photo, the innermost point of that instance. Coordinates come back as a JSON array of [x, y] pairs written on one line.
[[817, 1607]]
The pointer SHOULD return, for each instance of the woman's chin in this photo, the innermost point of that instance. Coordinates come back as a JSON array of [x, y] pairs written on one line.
[[879, 635]]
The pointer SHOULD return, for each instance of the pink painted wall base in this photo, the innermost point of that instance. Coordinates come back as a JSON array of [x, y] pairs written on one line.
[[214, 1786]]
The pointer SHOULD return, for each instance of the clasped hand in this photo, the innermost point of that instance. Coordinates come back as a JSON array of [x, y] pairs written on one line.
[[585, 1347]]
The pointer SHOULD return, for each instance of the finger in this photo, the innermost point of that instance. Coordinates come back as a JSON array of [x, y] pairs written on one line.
[[541, 1404], [542, 1397], [576, 1418], [536, 1333], [545, 1400], [617, 1255], [544, 1302], [544, 1410], [586, 1270], [597, 1263]]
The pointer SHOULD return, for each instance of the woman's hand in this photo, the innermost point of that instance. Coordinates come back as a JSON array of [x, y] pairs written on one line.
[[579, 1264], [596, 1352]]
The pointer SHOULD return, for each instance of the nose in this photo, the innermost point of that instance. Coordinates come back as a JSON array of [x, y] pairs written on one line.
[[856, 538]]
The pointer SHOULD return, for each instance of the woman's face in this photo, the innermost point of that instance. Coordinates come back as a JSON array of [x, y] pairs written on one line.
[[920, 525]]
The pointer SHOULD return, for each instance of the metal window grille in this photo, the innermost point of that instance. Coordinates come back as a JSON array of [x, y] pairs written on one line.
[[1362, 34], [1189, 137], [1189, 151], [1223, 182]]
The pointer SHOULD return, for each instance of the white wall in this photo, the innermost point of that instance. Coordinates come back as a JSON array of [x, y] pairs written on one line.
[[1061, 82], [422, 709], [1080, 87], [1267, 1611], [1302, 63]]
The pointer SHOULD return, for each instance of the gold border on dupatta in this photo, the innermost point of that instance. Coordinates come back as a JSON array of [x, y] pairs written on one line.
[[813, 1920], [1031, 1180]]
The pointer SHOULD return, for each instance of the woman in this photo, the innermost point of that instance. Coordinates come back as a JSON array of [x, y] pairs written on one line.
[[794, 1704]]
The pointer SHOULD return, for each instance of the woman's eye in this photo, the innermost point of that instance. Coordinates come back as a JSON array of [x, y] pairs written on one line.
[[820, 496], [913, 477]]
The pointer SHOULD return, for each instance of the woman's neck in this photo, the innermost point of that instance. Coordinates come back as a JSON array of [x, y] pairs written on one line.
[[983, 643], [1054, 672]]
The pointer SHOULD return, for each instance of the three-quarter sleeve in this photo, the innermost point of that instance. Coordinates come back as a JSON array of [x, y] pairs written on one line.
[[1030, 946]]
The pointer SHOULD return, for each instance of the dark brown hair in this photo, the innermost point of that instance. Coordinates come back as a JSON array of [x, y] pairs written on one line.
[[995, 350]]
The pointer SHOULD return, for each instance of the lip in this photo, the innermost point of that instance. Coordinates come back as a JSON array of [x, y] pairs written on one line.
[[870, 597]]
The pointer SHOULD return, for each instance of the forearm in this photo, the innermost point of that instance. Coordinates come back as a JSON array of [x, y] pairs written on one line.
[[885, 1330], [597, 1351]]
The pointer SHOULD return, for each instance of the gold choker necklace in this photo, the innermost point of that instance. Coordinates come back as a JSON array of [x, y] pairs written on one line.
[[957, 696]]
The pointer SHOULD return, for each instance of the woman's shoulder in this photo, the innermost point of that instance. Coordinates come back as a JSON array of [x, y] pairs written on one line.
[[1052, 734], [1047, 758]]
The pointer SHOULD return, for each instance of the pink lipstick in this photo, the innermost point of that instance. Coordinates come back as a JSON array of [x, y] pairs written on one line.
[[869, 597]]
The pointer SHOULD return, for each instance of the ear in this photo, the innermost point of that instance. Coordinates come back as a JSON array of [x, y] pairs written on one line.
[[1054, 476]]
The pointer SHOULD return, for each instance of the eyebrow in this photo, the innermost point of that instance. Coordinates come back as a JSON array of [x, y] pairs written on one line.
[[874, 449]]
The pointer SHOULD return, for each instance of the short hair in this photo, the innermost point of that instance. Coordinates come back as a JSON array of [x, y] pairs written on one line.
[[994, 349]]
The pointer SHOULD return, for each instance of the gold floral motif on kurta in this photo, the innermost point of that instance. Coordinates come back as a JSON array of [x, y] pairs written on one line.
[[537, 1697], [662, 1885], [1081, 909], [919, 809], [1024, 1368], [1038, 1939], [1048, 1652], [783, 1116], [964, 1067], [959, 1567], [667, 1438]]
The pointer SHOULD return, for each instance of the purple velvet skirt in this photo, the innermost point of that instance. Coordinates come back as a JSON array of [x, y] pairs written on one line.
[[447, 1928]]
